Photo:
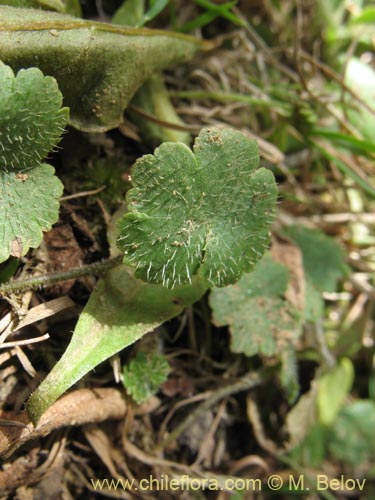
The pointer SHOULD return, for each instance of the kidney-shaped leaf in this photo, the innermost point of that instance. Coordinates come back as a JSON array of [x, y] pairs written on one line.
[[205, 212], [31, 117], [28, 205], [31, 121]]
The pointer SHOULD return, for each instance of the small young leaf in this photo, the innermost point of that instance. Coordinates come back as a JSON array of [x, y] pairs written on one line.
[[144, 375], [205, 212], [153, 98], [31, 117], [29, 204], [323, 259]]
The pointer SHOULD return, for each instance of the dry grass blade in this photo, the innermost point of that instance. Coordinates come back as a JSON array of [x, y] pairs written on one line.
[[76, 408]]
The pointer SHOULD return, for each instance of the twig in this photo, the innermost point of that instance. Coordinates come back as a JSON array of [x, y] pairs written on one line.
[[83, 194], [249, 381], [76, 408], [50, 279], [163, 123]]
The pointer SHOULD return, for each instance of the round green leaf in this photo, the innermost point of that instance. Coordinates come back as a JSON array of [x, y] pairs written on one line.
[[205, 212], [31, 117], [28, 205]]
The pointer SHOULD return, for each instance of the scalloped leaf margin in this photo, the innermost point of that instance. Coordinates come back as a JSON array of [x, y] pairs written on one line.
[[204, 212], [31, 122]]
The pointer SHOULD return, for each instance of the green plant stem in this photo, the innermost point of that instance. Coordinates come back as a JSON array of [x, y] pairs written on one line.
[[249, 381], [50, 279]]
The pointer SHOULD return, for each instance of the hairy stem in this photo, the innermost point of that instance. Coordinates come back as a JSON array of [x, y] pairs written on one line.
[[50, 279]]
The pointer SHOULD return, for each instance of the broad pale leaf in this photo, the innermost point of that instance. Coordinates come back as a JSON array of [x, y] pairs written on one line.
[[31, 117], [98, 66], [206, 212], [120, 311], [29, 204]]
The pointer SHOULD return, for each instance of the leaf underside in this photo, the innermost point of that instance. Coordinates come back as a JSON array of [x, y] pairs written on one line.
[[206, 211], [98, 66]]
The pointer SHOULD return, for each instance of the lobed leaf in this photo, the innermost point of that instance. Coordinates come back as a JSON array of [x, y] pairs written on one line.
[[98, 66], [144, 375], [31, 117], [31, 121], [206, 212], [29, 204]]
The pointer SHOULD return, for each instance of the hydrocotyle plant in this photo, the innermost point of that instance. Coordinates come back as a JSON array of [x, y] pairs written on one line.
[[195, 219], [204, 212], [109, 62], [31, 122]]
